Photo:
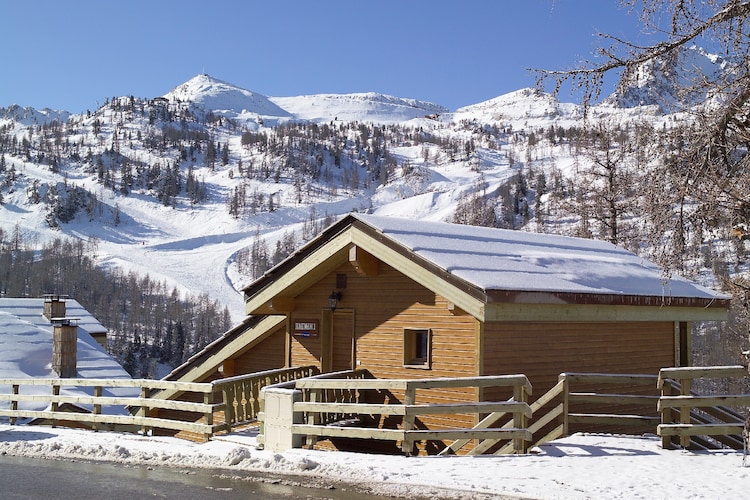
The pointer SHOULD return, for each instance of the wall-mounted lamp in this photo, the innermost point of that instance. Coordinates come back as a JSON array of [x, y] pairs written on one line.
[[333, 300]]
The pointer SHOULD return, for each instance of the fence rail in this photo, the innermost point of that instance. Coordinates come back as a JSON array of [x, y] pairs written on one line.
[[609, 400], [131, 412], [317, 409], [677, 404], [238, 400]]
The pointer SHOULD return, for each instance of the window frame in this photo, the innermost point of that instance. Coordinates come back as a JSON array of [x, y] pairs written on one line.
[[414, 342]]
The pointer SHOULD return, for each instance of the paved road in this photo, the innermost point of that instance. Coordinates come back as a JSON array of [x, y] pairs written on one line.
[[33, 478]]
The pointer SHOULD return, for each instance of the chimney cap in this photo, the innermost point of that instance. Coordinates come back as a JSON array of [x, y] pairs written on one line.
[[50, 297], [66, 321]]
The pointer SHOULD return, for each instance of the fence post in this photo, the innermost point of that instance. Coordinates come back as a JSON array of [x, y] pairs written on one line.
[[55, 404], [667, 414], [566, 404], [520, 420], [685, 388], [313, 395], [207, 400], [13, 403], [143, 412], [97, 407], [410, 397], [228, 407]]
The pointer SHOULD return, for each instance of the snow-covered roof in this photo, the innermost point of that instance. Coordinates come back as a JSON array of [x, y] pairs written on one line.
[[26, 342], [505, 260]]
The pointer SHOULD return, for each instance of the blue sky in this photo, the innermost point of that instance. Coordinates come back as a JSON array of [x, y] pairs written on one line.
[[74, 54]]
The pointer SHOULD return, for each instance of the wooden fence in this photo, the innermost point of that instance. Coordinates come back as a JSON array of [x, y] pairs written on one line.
[[552, 412], [630, 403], [328, 400], [238, 401], [242, 394], [678, 405], [138, 407], [317, 421]]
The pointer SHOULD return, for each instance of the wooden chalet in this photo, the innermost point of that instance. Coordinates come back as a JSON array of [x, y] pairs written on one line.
[[409, 299]]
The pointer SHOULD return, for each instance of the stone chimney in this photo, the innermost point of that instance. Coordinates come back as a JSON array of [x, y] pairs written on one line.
[[54, 306], [64, 346]]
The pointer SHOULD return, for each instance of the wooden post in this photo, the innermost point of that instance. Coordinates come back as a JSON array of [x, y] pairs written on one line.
[[207, 400], [566, 404], [410, 397], [313, 418], [262, 422], [13, 403], [229, 416], [685, 387], [143, 412], [520, 420], [55, 392], [666, 415], [97, 407]]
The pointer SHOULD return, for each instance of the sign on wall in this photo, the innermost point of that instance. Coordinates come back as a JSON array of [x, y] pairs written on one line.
[[306, 328]]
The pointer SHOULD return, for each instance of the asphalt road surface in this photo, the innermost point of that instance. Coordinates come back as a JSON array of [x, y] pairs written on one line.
[[34, 478]]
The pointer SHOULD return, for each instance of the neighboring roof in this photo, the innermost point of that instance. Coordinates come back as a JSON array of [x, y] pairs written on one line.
[[489, 266], [26, 343], [30, 309]]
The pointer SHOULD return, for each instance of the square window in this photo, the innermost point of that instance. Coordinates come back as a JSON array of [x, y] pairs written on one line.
[[417, 347]]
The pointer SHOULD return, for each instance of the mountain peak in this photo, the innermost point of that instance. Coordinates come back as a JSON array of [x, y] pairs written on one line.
[[662, 81], [213, 94]]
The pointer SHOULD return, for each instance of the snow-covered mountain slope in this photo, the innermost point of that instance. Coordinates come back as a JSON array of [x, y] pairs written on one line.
[[659, 82], [369, 107], [279, 166], [219, 97], [525, 106], [31, 116], [215, 95]]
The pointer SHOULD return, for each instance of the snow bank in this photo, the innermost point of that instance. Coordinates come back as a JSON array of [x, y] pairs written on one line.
[[580, 466]]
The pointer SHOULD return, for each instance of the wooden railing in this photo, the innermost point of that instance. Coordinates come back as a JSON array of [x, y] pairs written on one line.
[[239, 401], [678, 403], [28, 390], [641, 394], [317, 421], [242, 394], [552, 410]]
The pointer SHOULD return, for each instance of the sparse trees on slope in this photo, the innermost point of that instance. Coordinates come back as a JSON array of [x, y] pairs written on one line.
[[704, 169], [606, 189], [712, 163]]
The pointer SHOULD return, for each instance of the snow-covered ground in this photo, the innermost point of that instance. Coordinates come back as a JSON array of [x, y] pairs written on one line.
[[580, 466]]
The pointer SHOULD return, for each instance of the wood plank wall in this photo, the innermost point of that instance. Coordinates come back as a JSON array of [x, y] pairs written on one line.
[[268, 354], [383, 306], [544, 350]]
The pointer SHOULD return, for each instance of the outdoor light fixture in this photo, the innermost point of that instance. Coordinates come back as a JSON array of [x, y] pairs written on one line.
[[333, 300]]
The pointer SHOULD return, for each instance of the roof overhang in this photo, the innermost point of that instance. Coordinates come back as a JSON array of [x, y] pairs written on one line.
[[599, 313], [548, 306], [312, 264], [274, 292]]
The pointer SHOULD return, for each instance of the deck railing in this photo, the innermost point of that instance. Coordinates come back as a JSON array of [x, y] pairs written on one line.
[[317, 423], [678, 405], [133, 412], [630, 403], [242, 394], [568, 403], [238, 401]]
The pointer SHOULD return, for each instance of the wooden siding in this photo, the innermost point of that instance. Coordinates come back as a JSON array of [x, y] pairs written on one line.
[[383, 306], [268, 354], [542, 351]]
